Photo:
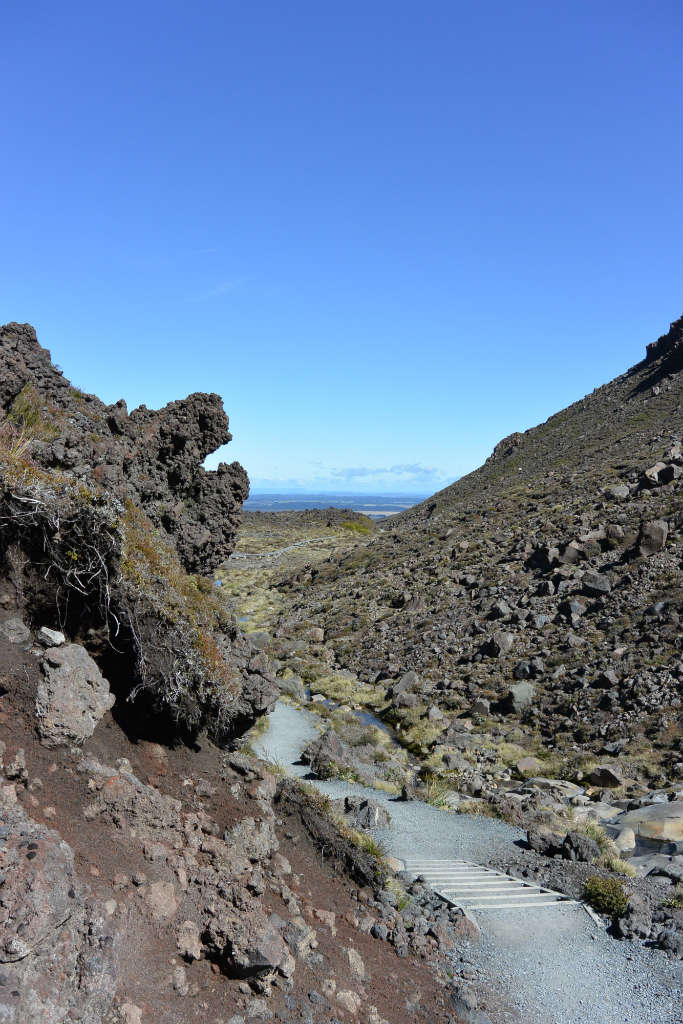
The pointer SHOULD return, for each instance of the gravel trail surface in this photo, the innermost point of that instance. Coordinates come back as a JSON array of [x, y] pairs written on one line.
[[249, 559], [552, 965]]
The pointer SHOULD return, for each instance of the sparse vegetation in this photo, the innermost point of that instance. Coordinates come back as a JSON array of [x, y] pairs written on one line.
[[675, 901], [188, 604]]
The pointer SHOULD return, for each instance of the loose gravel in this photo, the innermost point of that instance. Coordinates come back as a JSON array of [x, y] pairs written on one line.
[[551, 965]]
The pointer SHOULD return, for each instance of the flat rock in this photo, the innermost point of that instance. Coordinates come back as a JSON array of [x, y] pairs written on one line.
[[561, 787], [657, 822]]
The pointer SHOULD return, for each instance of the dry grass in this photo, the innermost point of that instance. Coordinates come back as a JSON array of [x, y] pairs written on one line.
[[188, 603]]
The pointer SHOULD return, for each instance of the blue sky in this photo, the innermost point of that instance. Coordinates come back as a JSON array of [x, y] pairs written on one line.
[[388, 233]]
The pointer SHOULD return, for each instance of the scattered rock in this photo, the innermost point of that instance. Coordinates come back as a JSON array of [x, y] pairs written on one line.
[[188, 941], [351, 1001], [501, 643], [15, 631], [653, 536], [596, 584], [356, 965], [605, 776], [161, 899], [519, 698], [50, 637]]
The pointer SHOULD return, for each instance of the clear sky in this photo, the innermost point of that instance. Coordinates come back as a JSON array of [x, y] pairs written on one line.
[[388, 233]]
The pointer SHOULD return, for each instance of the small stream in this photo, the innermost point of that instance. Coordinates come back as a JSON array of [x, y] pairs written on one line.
[[365, 717]]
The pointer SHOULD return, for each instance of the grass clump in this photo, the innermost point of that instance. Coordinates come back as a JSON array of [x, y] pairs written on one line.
[[609, 855], [480, 807], [26, 424], [618, 865], [606, 895], [675, 901], [30, 418], [421, 737], [396, 888], [367, 843], [438, 788]]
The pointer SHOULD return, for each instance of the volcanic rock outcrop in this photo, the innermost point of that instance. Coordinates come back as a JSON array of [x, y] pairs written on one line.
[[102, 516], [153, 457]]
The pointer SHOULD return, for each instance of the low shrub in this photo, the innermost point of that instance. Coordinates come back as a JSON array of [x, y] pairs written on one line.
[[606, 895], [357, 527]]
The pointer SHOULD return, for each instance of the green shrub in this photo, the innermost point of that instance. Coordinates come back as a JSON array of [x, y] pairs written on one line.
[[606, 895], [357, 527]]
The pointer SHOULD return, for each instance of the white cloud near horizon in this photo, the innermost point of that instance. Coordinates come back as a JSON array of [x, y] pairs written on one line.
[[316, 477]]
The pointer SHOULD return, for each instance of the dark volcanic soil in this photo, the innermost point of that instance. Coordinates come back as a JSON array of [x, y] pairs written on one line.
[[112, 864]]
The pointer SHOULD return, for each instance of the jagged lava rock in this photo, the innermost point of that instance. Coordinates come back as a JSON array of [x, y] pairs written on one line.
[[154, 457]]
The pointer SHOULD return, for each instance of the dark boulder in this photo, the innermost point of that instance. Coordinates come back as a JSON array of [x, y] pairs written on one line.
[[595, 584], [579, 847], [328, 756], [636, 923], [653, 536]]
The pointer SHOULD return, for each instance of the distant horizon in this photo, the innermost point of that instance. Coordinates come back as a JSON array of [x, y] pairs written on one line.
[[321, 493], [373, 504]]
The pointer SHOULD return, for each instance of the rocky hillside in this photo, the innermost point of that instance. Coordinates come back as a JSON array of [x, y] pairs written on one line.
[[534, 606], [150, 873]]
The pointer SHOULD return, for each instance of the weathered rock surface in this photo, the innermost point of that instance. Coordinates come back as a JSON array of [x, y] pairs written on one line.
[[72, 697], [657, 822], [15, 630], [58, 949]]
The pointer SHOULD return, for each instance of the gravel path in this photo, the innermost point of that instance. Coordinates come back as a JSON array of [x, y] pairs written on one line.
[[554, 965], [249, 559]]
